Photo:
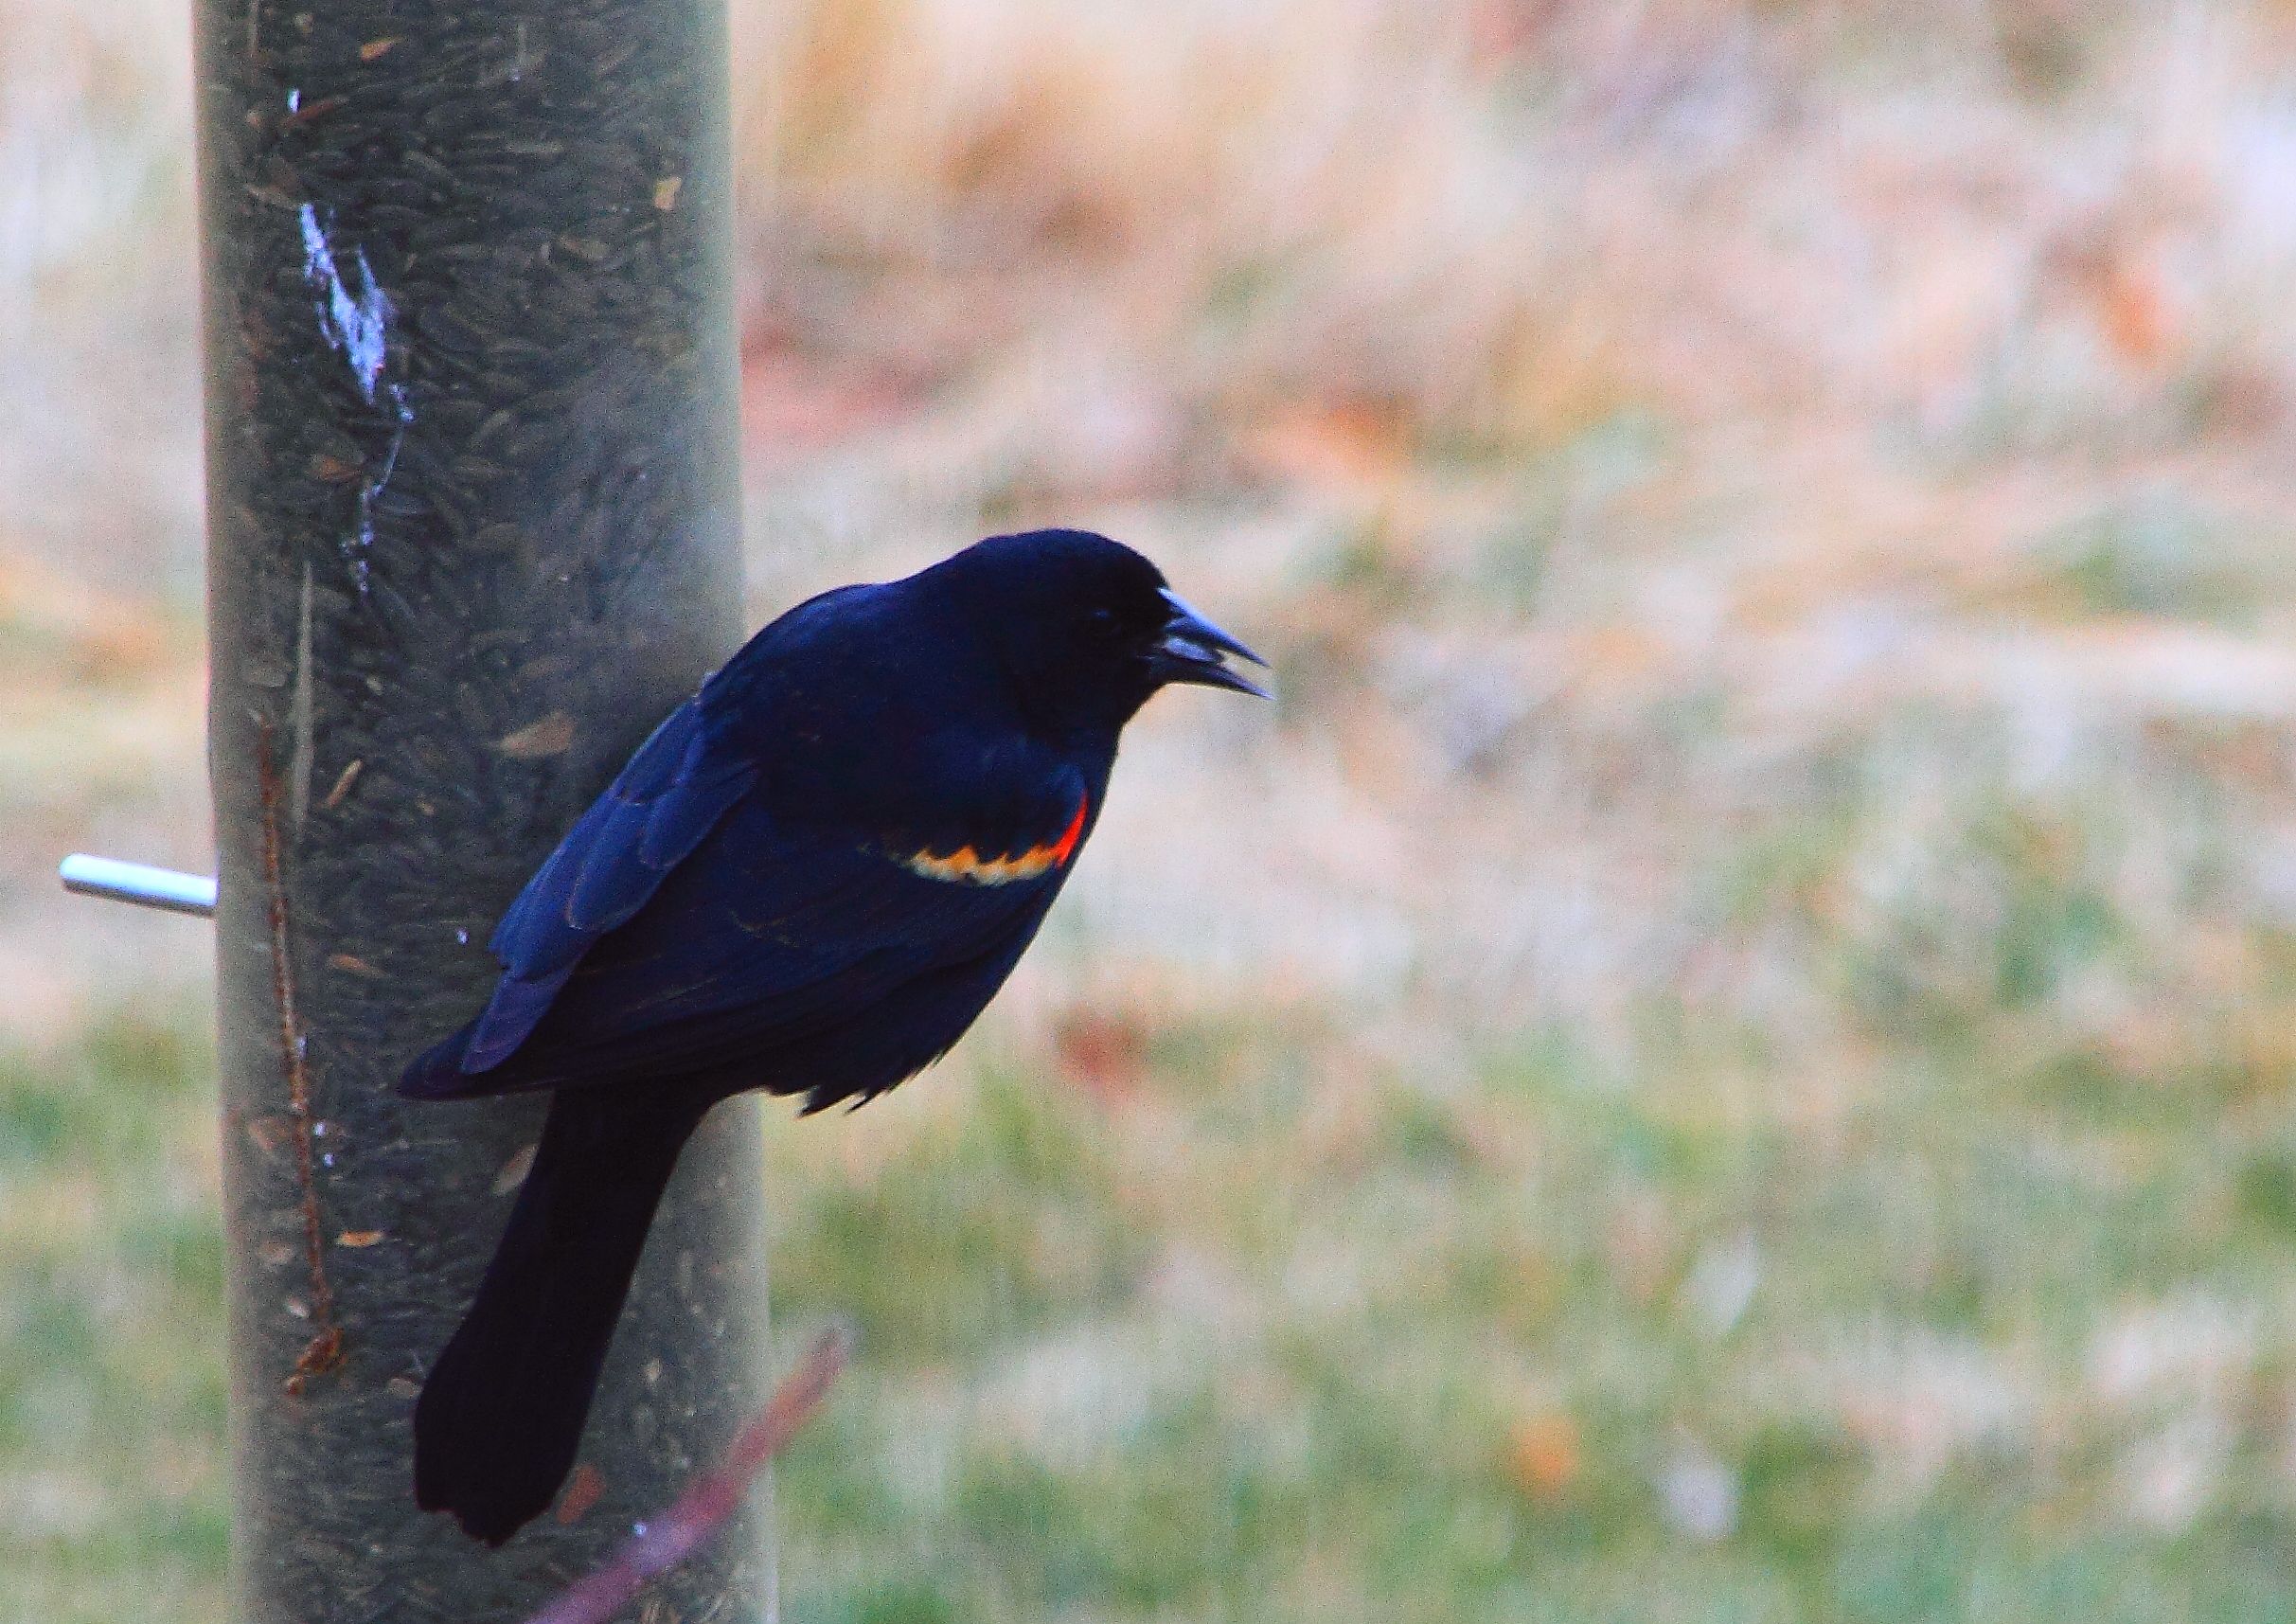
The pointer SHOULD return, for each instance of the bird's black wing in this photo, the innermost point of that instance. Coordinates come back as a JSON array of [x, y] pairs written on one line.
[[669, 795], [772, 930]]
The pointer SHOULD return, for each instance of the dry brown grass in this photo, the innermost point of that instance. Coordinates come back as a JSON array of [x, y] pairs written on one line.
[[1533, 367]]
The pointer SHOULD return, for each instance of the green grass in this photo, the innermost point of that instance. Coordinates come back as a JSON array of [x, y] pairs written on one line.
[[1274, 1374], [112, 1491], [1968, 1313], [1230, 1347]]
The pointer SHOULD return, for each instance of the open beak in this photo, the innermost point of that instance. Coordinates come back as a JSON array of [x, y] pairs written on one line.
[[1194, 650]]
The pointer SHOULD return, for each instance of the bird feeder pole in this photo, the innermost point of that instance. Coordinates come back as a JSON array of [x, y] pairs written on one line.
[[472, 515]]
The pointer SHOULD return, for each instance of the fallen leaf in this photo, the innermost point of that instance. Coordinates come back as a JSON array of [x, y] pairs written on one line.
[[1107, 1054], [1544, 1454]]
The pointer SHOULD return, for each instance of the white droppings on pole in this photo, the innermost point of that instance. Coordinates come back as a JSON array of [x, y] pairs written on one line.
[[355, 324]]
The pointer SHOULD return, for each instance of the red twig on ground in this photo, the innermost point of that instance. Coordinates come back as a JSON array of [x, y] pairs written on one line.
[[709, 1504], [324, 1352]]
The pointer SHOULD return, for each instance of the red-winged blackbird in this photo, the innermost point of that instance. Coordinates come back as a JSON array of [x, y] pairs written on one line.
[[809, 880]]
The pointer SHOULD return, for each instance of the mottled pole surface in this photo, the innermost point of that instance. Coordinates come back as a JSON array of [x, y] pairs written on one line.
[[471, 530]]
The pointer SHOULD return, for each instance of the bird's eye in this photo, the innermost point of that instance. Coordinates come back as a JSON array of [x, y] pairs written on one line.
[[1102, 621]]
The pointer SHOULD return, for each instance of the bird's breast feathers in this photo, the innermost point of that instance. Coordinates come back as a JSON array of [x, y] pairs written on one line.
[[968, 866]]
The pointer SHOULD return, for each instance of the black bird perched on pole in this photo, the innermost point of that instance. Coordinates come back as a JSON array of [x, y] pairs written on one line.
[[809, 880]]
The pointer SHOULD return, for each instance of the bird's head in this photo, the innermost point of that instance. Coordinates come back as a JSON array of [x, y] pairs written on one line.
[[1086, 628]]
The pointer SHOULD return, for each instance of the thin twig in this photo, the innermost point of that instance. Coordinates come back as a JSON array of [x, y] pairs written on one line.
[[324, 1352], [709, 1503]]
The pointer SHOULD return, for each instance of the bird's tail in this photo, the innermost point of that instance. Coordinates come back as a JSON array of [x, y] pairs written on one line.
[[501, 1413]]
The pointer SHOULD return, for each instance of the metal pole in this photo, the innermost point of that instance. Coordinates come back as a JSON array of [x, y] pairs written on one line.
[[471, 518]]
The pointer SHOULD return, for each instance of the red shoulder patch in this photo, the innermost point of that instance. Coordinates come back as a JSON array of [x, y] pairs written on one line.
[[966, 866]]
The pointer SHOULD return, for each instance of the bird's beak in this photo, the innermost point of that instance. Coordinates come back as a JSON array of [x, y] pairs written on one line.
[[1193, 651]]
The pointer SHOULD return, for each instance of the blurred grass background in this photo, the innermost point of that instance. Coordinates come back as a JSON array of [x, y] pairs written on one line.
[[1726, 1053]]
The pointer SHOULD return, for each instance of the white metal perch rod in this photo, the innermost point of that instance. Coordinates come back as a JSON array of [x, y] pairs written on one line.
[[139, 882]]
